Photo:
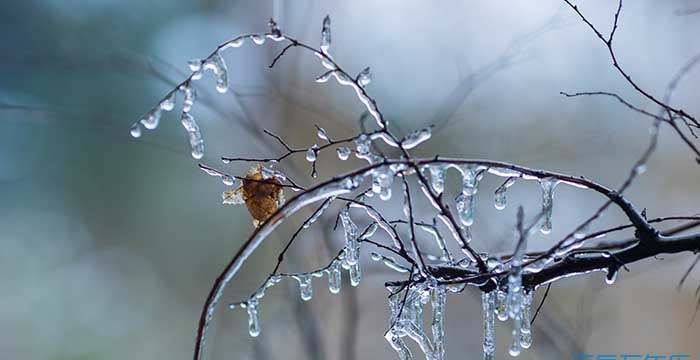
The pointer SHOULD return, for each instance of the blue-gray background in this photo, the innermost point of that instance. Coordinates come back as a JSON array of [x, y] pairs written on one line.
[[109, 244]]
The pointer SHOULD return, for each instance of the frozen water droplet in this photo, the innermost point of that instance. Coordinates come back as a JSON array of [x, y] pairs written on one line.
[[135, 130], [416, 138], [343, 153], [321, 133], [326, 34], [258, 39], [640, 169], [168, 103], [311, 153], [611, 276], [253, 321], [227, 180], [334, 277], [305, 286], [151, 120], [190, 97], [234, 43], [437, 177], [364, 77], [195, 64], [488, 305], [499, 201], [362, 144], [355, 274]]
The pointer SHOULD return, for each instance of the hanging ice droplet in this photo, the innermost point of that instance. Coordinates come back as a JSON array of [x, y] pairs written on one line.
[[321, 133], [343, 153], [221, 72], [168, 103], [190, 97], [227, 180], [362, 144], [416, 138], [355, 274], [258, 39], [488, 305], [195, 64], [437, 178], [135, 130], [465, 201], [326, 34], [547, 204], [253, 320], [334, 277], [611, 276], [305, 286], [364, 77], [499, 201], [311, 153], [151, 120]]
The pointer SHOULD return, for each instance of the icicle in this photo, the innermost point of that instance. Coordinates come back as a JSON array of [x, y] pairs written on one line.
[[437, 177], [364, 77], [355, 274], [514, 349], [151, 120], [500, 195], [195, 136], [305, 286], [326, 34], [217, 65], [253, 320], [465, 201], [437, 326], [548, 186], [190, 97], [334, 277], [352, 246], [343, 153], [311, 153], [416, 138], [135, 130], [502, 305], [488, 305], [526, 314]]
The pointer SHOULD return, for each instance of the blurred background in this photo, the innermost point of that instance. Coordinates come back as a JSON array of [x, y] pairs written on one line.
[[110, 244]]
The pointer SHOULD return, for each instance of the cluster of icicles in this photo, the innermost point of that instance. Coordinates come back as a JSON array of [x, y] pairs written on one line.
[[214, 63], [348, 259], [509, 301]]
